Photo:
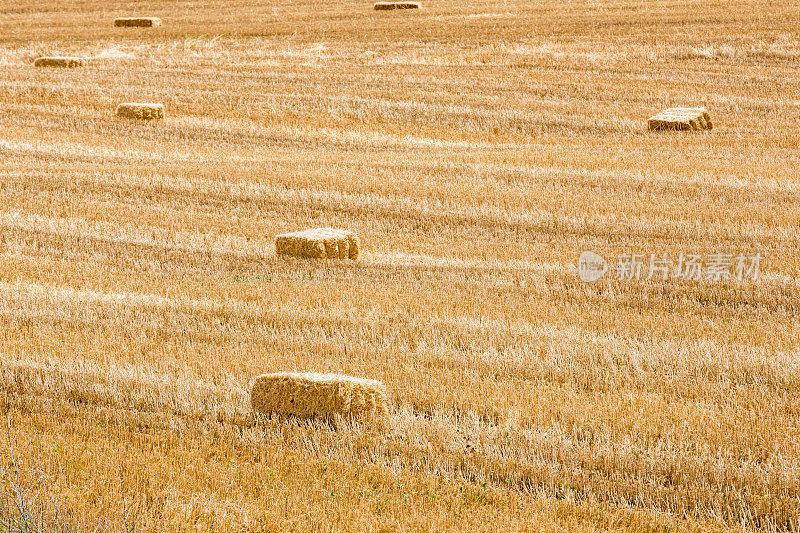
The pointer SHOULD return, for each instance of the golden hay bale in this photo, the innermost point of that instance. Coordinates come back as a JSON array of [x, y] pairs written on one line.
[[682, 119], [319, 243], [140, 111], [58, 61], [316, 395], [386, 6], [137, 22]]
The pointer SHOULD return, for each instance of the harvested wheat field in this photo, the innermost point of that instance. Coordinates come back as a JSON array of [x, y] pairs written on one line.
[[477, 149]]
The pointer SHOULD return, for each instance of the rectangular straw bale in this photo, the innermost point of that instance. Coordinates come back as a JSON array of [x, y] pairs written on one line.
[[316, 395], [319, 243], [386, 6], [144, 111], [682, 119], [137, 22], [58, 61]]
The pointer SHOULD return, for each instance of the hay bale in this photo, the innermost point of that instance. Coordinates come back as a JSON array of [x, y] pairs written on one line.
[[386, 6], [319, 243], [137, 22], [316, 395], [140, 111], [58, 61], [681, 119]]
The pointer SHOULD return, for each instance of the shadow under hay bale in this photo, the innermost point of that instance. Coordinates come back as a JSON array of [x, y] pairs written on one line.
[[319, 243], [137, 22], [316, 395], [681, 119], [140, 111], [387, 6], [58, 61]]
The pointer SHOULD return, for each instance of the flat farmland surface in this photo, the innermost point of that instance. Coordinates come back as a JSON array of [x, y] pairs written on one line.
[[476, 148]]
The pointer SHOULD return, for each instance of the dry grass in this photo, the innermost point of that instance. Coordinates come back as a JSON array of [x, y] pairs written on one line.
[[476, 148]]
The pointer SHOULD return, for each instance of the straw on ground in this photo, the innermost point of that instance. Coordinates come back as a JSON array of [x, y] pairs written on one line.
[[319, 243], [388, 6], [312, 395], [144, 111], [137, 22], [681, 118], [58, 61]]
